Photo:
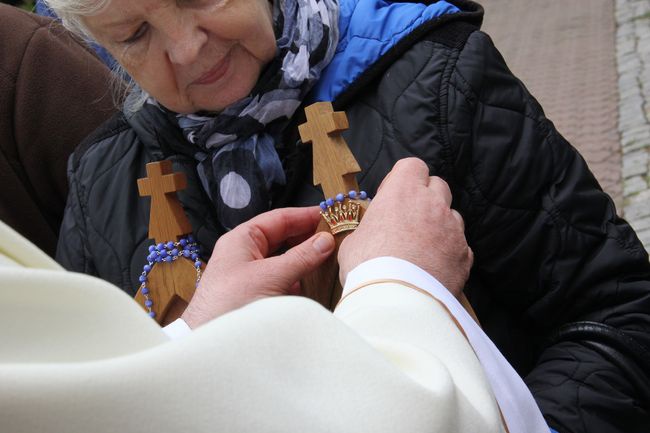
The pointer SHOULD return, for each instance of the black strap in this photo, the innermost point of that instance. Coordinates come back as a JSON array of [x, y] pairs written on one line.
[[628, 348]]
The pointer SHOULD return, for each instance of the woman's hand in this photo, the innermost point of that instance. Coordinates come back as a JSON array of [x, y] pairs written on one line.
[[411, 219], [239, 271]]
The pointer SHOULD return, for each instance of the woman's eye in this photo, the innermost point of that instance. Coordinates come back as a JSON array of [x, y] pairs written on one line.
[[137, 35], [197, 3]]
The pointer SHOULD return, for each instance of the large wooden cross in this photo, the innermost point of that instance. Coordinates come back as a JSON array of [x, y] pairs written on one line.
[[334, 170], [171, 285]]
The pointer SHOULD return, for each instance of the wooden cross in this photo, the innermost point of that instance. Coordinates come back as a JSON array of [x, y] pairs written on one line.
[[171, 285], [167, 219], [334, 170]]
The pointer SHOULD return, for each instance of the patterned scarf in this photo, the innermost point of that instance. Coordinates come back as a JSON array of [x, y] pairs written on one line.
[[235, 149]]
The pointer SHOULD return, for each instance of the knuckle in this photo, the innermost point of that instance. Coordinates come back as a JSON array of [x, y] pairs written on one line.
[[439, 184], [300, 257], [458, 218], [411, 164], [222, 246], [256, 235]]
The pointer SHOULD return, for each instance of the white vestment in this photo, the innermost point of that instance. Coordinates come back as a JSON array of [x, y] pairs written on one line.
[[79, 355]]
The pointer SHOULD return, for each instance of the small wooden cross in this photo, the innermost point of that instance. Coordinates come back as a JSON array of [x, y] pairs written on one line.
[[167, 219], [334, 170], [171, 285]]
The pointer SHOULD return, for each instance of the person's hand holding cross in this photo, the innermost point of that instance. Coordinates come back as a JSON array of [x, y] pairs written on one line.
[[242, 269]]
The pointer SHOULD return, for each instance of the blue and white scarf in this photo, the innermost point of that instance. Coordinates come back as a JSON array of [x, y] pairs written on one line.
[[235, 149]]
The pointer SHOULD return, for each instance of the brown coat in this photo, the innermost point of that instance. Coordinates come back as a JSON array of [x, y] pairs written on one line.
[[53, 92]]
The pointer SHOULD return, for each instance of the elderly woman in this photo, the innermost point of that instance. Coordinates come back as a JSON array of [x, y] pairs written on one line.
[[560, 282]]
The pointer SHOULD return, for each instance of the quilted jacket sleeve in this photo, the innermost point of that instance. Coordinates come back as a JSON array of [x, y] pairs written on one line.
[[547, 236], [71, 250]]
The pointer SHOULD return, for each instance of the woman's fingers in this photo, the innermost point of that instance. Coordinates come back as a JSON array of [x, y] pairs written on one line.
[[281, 224], [231, 282], [262, 235], [284, 270]]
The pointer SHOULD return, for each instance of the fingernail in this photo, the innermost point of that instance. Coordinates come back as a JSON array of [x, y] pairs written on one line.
[[323, 243]]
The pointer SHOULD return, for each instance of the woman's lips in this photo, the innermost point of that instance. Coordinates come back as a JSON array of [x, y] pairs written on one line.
[[214, 74]]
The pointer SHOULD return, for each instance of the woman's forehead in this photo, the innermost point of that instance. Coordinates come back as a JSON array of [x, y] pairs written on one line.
[[123, 12]]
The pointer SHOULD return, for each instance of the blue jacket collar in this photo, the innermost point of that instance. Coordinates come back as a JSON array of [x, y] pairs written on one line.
[[368, 29]]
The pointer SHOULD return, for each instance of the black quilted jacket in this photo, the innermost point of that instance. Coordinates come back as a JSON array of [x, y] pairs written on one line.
[[560, 283]]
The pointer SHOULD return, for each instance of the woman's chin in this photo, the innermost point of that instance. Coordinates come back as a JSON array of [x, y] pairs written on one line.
[[194, 104]]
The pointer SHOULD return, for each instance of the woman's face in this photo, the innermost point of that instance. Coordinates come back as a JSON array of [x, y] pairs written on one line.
[[190, 55]]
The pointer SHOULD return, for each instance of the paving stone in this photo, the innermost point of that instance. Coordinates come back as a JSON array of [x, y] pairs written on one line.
[[643, 235], [640, 198], [636, 145], [641, 224], [635, 167], [637, 132], [628, 91], [637, 170], [643, 32], [631, 117], [637, 211], [640, 157], [634, 185], [628, 70]]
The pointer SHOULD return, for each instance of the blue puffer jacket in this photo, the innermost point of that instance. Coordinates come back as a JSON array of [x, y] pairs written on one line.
[[560, 282]]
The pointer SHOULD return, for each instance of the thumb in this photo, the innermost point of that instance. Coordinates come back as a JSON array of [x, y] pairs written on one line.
[[303, 258]]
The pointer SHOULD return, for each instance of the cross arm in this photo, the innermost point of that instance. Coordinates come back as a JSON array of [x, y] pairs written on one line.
[[144, 187], [335, 122], [174, 182], [306, 135]]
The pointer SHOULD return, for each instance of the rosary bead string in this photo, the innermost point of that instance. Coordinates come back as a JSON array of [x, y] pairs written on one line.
[[168, 252]]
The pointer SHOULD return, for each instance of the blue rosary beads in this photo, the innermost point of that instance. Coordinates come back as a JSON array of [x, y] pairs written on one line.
[[168, 252], [353, 195]]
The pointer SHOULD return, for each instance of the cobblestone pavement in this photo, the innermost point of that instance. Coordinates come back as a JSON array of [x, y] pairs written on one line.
[[633, 57], [588, 63]]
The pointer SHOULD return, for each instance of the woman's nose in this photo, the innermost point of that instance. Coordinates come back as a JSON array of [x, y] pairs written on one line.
[[184, 42]]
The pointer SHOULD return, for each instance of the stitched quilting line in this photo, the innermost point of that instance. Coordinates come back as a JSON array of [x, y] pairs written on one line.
[[416, 76], [122, 266]]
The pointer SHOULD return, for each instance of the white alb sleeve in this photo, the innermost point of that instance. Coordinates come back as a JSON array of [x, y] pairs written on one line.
[[515, 400]]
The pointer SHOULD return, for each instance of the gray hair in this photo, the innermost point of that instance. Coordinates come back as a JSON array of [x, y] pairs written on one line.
[[71, 12], [130, 96]]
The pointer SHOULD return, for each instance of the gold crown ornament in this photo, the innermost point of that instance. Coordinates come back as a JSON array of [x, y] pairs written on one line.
[[342, 213]]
